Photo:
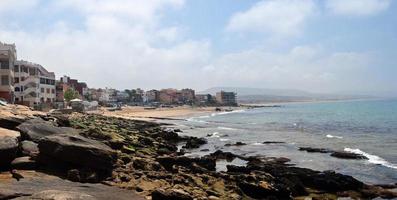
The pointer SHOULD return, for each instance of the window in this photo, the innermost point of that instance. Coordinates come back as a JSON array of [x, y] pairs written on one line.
[[48, 100], [5, 80], [16, 68], [16, 80], [16, 99], [32, 72], [17, 89], [53, 91], [24, 69], [22, 79], [42, 80], [5, 65], [48, 90], [42, 90]]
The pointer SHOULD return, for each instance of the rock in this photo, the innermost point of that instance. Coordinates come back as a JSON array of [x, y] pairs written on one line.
[[194, 142], [347, 155], [76, 150], [35, 129], [172, 194], [9, 144], [273, 142], [58, 195], [25, 163], [74, 175], [262, 190], [29, 148], [10, 194], [314, 150], [235, 144], [169, 161], [223, 155], [10, 122]]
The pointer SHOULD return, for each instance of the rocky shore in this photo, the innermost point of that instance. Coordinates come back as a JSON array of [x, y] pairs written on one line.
[[88, 156]]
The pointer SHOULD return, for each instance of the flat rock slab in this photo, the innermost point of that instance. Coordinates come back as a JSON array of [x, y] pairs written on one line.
[[37, 128], [77, 150], [38, 185]]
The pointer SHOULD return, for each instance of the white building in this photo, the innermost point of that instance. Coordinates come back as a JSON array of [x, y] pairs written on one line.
[[33, 84], [8, 56]]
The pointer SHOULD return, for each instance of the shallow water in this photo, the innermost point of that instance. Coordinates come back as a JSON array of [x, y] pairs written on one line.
[[364, 127]]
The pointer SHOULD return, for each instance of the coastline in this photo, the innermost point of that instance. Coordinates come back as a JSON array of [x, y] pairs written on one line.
[[143, 158]]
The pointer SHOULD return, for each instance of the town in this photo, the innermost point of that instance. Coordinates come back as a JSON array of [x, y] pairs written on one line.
[[31, 84]]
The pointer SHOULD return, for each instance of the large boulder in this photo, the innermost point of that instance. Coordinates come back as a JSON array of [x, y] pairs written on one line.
[[9, 144], [77, 151], [25, 162], [37, 128]]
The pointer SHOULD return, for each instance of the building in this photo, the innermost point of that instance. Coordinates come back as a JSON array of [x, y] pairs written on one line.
[[226, 98], [152, 96], [8, 56], [33, 84], [168, 96], [80, 87], [186, 96], [204, 99]]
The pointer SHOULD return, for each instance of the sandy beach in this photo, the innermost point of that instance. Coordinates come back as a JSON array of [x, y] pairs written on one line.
[[140, 113]]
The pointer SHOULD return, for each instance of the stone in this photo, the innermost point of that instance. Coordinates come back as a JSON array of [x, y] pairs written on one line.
[[172, 194], [74, 175], [9, 144], [347, 155], [58, 195], [37, 128], [76, 150], [25, 163], [314, 150], [194, 142], [29, 148]]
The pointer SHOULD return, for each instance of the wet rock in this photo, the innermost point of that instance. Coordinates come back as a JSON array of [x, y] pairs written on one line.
[[314, 150], [37, 128], [223, 155], [25, 163], [235, 144], [172, 194], [263, 190], [9, 144], [29, 148], [169, 161], [76, 150], [273, 142], [194, 142], [347, 155]]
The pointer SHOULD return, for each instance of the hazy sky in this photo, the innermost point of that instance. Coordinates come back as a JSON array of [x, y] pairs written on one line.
[[313, 45]]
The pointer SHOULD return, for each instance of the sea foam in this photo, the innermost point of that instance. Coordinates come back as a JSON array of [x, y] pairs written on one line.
[[333, 136], [374, 159]]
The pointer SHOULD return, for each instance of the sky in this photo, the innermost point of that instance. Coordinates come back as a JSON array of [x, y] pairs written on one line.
[[324, 46]]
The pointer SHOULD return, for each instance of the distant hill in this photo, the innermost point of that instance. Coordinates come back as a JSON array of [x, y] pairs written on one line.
[[263, 95]]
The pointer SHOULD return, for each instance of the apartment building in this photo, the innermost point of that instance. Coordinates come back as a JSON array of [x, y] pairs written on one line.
[[33, 84], [8, 56], [187, 96], [152, 96], [226, 98]]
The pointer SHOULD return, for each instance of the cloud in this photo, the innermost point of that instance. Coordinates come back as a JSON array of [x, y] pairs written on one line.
[[12, 5], [302, 67], [357, 7], [279, 17], [120, 44]]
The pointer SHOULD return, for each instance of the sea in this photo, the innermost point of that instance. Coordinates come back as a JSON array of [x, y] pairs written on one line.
[[367, 127]]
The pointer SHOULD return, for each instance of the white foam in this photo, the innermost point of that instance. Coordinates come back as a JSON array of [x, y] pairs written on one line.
[[224, 139], [215, 134], [226, 128], [333, 136], [193, 119], [374, 159], [226, 112], [257, 144]]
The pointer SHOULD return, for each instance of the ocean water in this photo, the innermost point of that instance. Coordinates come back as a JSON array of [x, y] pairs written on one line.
[[365, 127]]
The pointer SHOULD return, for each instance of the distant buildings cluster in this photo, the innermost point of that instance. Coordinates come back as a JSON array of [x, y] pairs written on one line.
[[30, 84]]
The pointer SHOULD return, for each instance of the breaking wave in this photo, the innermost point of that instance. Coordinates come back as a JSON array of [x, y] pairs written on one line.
[[333, 136], [374, 159]]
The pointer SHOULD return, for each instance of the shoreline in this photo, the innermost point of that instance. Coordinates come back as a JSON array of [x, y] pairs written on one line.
[[143, 158]]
